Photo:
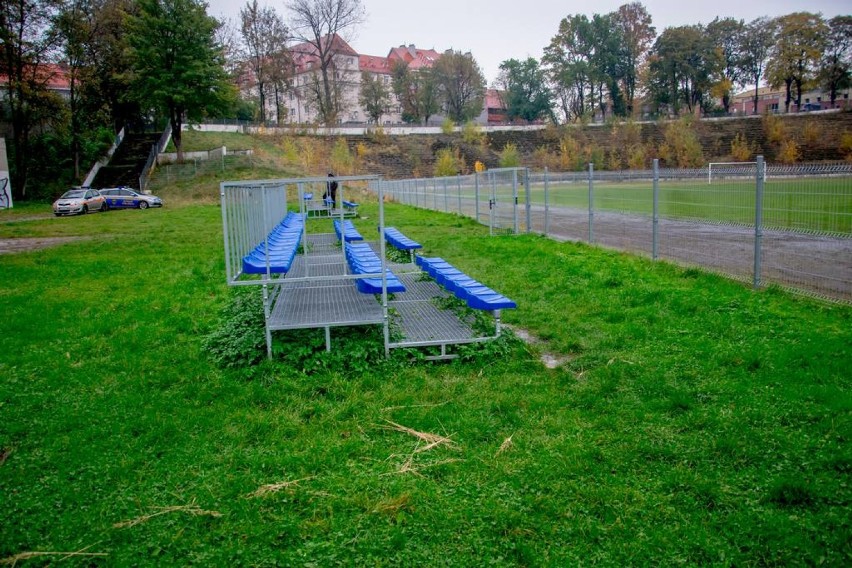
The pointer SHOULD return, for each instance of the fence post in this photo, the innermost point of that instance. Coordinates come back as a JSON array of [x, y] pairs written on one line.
[[476, 194], [515, 198], [458, 185], [546, 202], [529, 205], [656, 213], [446, 197], [591, 203], [758, 220]]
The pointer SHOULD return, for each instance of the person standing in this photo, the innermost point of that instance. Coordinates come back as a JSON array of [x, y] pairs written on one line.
[[331, 188]]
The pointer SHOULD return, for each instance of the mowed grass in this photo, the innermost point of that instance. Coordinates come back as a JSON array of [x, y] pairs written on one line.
[[693, 421], [807, 204]]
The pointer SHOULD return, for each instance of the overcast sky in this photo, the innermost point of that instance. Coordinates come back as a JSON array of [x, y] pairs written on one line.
[[497, 30]]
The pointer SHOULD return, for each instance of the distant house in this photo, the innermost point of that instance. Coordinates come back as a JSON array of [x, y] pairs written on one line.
[[54, 77], [772, 101], [348, 66], [494, 110]]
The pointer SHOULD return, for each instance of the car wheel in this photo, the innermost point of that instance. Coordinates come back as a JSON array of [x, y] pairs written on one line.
[[105, 207], [85, 209], [58, 214], [143, 205]]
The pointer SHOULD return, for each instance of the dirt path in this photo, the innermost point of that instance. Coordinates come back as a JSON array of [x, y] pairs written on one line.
[[8, 246]]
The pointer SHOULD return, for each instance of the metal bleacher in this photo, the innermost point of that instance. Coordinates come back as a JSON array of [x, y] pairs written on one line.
[[334, 277]]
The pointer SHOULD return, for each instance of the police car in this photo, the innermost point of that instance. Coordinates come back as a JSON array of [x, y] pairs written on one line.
[[124, 197]]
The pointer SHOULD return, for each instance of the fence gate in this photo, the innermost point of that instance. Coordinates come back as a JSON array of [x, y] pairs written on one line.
[[503, 187]]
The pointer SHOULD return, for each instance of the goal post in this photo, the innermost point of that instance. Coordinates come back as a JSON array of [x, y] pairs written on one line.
[[738, 169]]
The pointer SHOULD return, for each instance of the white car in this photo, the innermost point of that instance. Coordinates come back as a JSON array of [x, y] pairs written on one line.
[[80, 201], [124, 197]]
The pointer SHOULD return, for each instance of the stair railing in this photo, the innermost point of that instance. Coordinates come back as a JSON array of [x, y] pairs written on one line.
[[151, 163], [104, 160]]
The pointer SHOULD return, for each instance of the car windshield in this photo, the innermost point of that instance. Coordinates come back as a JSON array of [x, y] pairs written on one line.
[[74, 194]]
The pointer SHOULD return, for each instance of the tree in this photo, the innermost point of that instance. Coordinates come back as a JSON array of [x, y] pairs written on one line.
[[265, 39], [794, 58], [607, 65], [416, 92], [835, 66], [374, 96], [682, 66], [756, 42], [78, 27], [27, 43], [726, 35], [461, 84], [107, 78], [177, 66], [318, 23], [568, 59], [637, 36], [525, 92]]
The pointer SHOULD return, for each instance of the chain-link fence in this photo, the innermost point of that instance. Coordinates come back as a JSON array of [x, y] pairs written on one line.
[[789, 226], [168, 174]]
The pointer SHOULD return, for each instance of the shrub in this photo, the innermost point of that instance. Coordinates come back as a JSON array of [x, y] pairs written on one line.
[[788, 153], [846, 145], [509, 156], [741, 150], [448, 162], [570, 157], [542, 157], [290, 150], [812, 133], [774, 129], [341, 159], [448, 126], [472, 133], [636, 158], [681, 147]]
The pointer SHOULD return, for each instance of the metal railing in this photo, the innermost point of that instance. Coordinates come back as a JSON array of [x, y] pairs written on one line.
[[161, 144], [789, 226]]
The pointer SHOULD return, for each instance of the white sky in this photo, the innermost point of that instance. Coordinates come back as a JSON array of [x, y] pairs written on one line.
[[497, 30]]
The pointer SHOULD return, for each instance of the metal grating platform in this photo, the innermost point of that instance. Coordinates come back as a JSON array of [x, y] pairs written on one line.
[[316, 293], [328, 303]]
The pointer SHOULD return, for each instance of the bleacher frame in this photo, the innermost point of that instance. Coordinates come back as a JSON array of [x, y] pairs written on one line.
[[317, 290]]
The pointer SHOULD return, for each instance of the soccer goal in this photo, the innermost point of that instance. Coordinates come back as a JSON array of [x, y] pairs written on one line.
[[721, 170]]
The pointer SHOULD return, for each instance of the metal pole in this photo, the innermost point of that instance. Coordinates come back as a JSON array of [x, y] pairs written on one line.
[[515, 199], [546, 202], [758, 219], [458, 185], [476, 193], [656, 213], [591, 203], [385, 319], [527, 189], [446, 197], [266, 322]]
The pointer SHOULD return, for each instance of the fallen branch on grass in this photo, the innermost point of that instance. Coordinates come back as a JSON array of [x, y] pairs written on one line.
[[275, 487], [507, 443], [432, 440], [191, 509], [13, 560]]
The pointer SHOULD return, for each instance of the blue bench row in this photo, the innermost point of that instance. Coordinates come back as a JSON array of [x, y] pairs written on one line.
[[348, 231], [363, 260], [474, 293], [279, 248], [396, 239]]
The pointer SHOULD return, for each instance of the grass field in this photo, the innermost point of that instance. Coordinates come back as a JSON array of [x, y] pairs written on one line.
[[692, 421], [808, 204]]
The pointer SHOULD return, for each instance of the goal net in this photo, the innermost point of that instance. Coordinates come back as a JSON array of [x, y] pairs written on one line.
[[722, 170]]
